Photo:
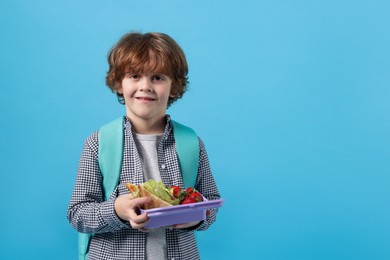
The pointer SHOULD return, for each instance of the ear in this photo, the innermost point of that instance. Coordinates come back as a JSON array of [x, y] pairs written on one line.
[[119, 89], [173, 93]]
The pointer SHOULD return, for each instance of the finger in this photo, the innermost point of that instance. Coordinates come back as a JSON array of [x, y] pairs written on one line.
[[137, 225], [139, 221], [138, 218], [208, 212], [178, 226], [140, 201], [145, 230], [186, 225]]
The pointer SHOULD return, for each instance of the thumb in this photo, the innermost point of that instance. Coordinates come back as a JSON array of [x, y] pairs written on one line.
[[141, 201]]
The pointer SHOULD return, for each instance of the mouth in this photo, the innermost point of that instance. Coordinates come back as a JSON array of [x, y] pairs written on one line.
[[145, 98]]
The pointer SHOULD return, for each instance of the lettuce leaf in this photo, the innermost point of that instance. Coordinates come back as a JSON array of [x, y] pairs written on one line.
[[159, 189]]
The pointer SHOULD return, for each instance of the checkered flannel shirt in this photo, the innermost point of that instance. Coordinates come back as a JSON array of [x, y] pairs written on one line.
[[114, 238]]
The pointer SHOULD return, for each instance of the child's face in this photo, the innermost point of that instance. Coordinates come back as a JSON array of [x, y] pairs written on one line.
[[146, 95]]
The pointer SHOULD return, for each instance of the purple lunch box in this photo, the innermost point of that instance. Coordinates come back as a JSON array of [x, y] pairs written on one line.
[[180, 214]]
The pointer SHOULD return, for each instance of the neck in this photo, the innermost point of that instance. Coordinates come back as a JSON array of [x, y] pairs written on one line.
[[141, 126]]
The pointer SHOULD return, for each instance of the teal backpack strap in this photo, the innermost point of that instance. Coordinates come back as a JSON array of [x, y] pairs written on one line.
[[83, 245], [110, 155], [187, 148]]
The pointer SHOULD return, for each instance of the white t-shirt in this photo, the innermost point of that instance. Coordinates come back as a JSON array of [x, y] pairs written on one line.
[[156, 244]]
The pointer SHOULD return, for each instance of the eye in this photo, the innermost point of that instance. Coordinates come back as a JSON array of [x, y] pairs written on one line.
[[158, 78], [132, 76]]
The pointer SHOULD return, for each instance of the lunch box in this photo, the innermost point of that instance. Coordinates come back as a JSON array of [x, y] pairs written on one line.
[[180, 214]]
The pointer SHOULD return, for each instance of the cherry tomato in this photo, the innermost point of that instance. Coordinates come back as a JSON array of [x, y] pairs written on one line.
[[197, 196], [188, 200], [190, 190], [175, 191]]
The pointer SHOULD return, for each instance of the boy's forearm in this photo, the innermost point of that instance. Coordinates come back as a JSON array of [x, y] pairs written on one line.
[[88, 212], [95, 217]]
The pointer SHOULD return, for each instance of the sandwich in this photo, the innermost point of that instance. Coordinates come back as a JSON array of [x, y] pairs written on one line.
[[161, 196]]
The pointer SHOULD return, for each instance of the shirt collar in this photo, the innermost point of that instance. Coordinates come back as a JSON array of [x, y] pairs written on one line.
[[167, 131]]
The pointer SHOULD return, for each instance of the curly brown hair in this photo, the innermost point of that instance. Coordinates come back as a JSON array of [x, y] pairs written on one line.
[[149, 52]]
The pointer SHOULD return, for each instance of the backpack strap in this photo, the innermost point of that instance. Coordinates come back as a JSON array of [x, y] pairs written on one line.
[[83, 245], [187, 149], [110, 156]]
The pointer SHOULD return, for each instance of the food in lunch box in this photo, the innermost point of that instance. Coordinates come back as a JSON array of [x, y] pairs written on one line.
[[162, 196]]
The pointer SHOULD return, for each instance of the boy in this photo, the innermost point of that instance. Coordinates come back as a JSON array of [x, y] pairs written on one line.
[[148, 72]]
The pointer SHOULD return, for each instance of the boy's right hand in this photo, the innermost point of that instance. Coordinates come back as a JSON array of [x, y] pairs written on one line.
[[127, 209]]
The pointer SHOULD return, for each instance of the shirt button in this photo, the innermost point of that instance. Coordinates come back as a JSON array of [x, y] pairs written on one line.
[[163, 166]]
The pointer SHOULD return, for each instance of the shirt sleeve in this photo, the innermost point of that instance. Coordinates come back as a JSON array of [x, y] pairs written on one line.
[[206, 185], [87, 211]]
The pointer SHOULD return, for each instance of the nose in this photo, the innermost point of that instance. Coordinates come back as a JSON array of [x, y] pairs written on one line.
[[146, 85]]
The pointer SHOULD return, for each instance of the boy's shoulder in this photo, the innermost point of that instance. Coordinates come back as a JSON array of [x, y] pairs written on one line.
[[92, 141], [93, 137]]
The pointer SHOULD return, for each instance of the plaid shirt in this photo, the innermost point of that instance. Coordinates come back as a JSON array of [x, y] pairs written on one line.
[[114, 238]]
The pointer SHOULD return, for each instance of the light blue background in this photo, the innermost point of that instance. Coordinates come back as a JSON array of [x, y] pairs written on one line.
[[290, 97]]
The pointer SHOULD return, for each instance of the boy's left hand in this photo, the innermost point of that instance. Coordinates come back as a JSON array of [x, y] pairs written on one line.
[[186, 225], [190, 224]]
